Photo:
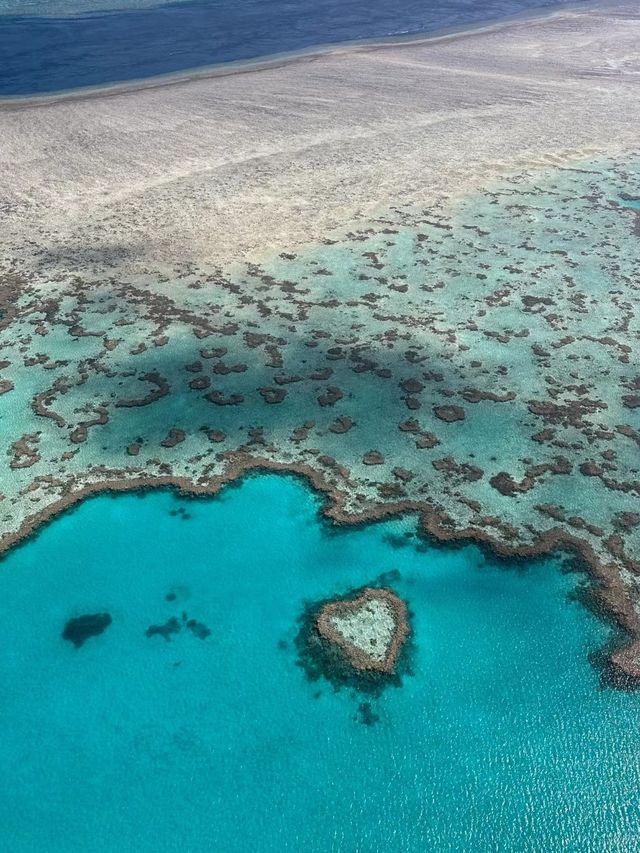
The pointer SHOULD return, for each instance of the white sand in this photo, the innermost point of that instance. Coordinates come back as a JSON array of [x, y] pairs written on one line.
[[214, 168], [370, 628]]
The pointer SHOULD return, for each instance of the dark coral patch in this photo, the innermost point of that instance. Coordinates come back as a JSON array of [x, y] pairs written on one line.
[[198, 629], [273, 395], [449, 414], [79, 629], [170, 627], [373, 457], [174, 625], [366, 714]]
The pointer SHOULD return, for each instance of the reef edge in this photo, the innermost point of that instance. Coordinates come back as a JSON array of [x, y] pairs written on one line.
[[609, 594]]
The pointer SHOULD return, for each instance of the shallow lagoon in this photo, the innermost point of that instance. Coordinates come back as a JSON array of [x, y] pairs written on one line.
[[502, 738]]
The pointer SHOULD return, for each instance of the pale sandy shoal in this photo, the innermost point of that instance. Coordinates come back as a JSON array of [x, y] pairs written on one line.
[[216, 168]]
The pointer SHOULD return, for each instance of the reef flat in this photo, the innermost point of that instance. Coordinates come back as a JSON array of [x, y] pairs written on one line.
[[369, 628], [178, 310]]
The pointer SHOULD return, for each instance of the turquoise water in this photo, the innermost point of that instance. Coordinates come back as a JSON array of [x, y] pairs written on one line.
[[633, 203], [501, 740]]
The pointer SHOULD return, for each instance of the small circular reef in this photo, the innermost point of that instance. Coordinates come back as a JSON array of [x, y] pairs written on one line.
[[356, 640]]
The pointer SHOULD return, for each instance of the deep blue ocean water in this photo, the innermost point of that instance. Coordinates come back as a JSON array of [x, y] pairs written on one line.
[[40, 53], [503, 738]]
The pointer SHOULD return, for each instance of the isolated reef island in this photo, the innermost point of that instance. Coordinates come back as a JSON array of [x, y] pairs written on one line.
[[357, 639], [406, 272]]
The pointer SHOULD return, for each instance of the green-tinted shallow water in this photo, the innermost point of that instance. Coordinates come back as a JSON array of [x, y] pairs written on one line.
[[517, 305], [502, 739]]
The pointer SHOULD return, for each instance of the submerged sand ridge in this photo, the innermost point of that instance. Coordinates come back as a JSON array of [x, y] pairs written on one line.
[[467, 356]]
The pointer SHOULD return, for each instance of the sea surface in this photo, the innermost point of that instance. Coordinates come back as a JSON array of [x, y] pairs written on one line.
[[55, 45], [502, 739]]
